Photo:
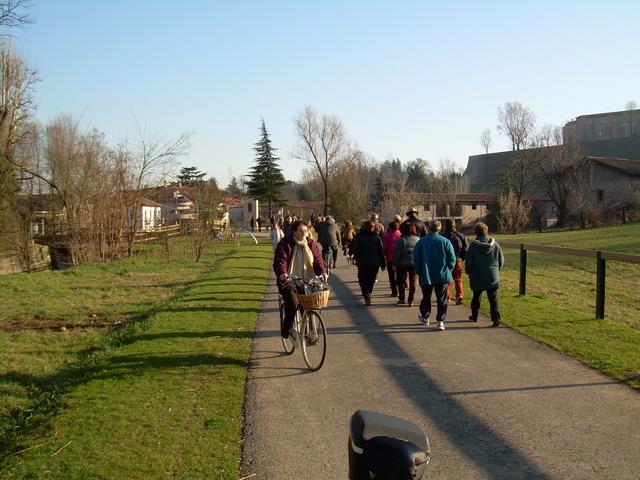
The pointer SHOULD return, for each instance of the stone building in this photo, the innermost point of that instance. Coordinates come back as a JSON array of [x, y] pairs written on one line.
[[602, 126]]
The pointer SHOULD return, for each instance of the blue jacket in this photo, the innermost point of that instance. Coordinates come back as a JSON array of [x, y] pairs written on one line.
[[434, 259]]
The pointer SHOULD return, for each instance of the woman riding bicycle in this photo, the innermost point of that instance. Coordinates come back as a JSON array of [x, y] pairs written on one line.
[[296, 255]]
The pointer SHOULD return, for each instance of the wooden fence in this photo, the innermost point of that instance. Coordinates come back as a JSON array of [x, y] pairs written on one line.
[[601, 265], [156, 233]]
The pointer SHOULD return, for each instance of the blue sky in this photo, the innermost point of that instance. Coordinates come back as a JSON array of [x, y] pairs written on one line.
[[407, 78]]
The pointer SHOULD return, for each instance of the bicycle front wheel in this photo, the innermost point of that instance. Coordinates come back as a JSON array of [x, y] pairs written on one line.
[[314, 340], [287, 343]]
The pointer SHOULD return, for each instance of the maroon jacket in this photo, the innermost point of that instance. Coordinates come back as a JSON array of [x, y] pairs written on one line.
[[284, 252]]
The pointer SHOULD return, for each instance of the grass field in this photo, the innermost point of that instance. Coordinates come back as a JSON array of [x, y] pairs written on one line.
[[158, 397], [559, 308]]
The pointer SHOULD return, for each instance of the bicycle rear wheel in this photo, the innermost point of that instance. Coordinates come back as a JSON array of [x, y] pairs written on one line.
[[314, 340], [287, 343]]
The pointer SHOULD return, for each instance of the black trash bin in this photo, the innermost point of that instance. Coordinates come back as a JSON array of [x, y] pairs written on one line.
[[387, 447]]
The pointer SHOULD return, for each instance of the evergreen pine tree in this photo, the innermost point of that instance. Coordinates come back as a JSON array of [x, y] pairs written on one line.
[[265, 179], [190, 176]]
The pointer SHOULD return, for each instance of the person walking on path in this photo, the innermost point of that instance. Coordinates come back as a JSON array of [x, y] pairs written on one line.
[[297, 255], [459, 243], [276, 234], [389, 241], [434, 259], [378, 227], [403, 261], [368, 254], [252, 223], [286, 225], [259, 223], [329, 237], [483, 263], [412, 215], [347, 234]]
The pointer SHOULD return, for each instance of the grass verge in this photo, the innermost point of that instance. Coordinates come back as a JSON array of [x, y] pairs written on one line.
[[161, 397], [559, 308]]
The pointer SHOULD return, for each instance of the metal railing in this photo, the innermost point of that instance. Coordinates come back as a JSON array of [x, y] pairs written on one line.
[[601, 265]]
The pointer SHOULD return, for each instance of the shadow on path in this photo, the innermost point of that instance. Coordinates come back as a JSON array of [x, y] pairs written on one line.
[[478, 441]]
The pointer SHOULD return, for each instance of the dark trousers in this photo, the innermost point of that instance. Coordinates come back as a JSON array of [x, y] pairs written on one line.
[[494, 306], [327, 253], [290, 307], [366, 279], [391, 270], [402, 275], [441, 300]]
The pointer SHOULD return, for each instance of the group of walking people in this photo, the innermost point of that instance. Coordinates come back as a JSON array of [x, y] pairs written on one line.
[[411, 252]]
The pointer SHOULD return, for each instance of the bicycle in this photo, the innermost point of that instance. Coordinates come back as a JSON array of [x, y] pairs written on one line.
[[308, 324], [327, 257]]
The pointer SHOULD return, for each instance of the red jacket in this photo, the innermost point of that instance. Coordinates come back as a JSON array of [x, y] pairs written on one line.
[[389, 243], [284, 252]]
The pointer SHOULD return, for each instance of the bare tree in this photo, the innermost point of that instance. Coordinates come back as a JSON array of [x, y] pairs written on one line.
[[352, 187], [558, 173], [521, 173], [485, 140], [514, 213], [322, 143], [548, 136], [13, 15], [631, 107], [517, 122], [153, 158], [207, 201], [16, 109]]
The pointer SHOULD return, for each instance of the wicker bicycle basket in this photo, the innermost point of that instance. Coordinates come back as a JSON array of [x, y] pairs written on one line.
[[315, 301]]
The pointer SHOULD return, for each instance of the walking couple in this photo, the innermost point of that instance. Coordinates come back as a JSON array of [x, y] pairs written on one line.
[[435, 259]]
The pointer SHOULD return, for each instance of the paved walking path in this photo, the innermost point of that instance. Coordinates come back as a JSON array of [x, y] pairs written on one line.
[[493, 403]]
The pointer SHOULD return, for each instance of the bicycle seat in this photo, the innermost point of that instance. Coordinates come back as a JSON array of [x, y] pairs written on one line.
[[389, 447]]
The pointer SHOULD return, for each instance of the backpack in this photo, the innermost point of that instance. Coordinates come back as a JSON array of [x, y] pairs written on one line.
[[462, 243]]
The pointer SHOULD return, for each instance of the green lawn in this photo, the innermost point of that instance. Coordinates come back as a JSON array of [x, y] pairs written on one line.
[[158, 398], [559, 308]]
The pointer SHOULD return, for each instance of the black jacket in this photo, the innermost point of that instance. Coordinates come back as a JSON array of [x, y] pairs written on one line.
[[458, 241], [367, 250], [421, 228]]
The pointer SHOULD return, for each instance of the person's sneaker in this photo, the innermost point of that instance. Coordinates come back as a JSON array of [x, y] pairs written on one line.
[[496, 323], [367, 301], [423, 320], [472, 318], [458, 301], [440, 326], [410, 304], [295, 337]]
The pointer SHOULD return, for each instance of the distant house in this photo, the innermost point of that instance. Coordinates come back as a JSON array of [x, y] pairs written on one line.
[[149, 215], [611, 181], [45, 211], [466, 208], [177, 203]]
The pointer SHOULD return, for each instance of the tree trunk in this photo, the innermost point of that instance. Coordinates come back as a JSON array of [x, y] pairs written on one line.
[[326, 197]]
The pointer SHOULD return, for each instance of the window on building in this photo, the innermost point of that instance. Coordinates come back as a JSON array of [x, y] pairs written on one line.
[[474, 206], [600, 196], [248, 207]]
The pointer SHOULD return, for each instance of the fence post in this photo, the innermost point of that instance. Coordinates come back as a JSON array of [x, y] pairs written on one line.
[[523, 269], [600, 281]]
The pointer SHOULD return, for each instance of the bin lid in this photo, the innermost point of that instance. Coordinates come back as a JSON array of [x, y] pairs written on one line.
[[366, 425]]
